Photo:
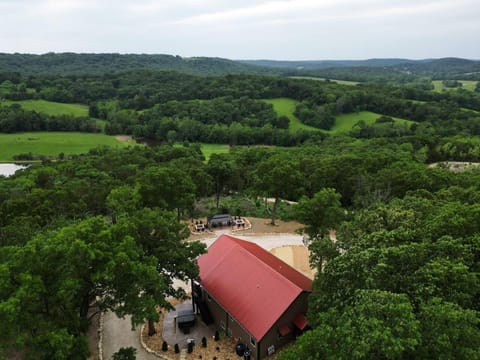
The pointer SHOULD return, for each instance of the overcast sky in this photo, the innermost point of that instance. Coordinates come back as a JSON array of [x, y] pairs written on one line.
[[245, 29]]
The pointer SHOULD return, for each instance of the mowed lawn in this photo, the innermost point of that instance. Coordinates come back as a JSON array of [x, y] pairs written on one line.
[[286, 107], [50, 107], [345, 122], [52, 143]]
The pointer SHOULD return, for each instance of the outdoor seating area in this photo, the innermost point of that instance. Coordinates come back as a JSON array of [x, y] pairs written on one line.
[[199, 226], [220, 221], [180, 326], [238, 221]]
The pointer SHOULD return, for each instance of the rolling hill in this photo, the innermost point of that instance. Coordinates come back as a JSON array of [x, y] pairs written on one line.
[[80, 64]]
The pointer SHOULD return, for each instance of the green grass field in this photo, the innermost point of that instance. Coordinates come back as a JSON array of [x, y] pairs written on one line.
[[52, 143], [341, 82], [286, 107], [209, 149], [50, 107], [466, 84], [345, 122]]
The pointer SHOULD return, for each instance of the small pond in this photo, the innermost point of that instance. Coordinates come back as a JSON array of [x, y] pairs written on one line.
[[8, 169]]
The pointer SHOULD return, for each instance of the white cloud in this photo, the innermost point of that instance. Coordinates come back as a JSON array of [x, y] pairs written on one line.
[[289, 29]]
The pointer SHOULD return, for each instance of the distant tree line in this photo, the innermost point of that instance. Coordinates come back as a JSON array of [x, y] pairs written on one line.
[[168, 106]]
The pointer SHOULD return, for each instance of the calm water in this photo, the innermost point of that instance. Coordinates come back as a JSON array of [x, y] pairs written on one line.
[[9, 169]]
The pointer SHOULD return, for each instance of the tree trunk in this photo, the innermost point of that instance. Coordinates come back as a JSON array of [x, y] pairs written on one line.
[[151, 327], [274, 210], [84, 307], [218, 194]]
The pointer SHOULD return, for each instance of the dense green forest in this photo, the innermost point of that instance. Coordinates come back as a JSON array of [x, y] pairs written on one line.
[[80, 64], [399, 70], [400, 281]]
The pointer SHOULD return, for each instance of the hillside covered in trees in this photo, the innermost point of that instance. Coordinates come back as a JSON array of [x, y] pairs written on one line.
[[105, 230]]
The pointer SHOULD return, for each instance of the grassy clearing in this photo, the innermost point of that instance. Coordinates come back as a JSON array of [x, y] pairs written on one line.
[[345, 122], [286, 107], [209, 149], [52, 143], [50, 107], [466, 84], [341, 82]]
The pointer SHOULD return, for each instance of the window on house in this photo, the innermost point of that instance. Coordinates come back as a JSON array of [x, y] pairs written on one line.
[[209, 298], [252, 341]]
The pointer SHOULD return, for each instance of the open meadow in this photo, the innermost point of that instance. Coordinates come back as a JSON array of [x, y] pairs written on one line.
[[209, 149], [286, 107], [53, 143], [466, 84], [50, 107], [345, 122]]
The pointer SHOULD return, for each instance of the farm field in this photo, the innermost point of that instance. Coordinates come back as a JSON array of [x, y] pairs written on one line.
[[345, 122], [467, 85], [50, 107], [286, 107], [52, 143]]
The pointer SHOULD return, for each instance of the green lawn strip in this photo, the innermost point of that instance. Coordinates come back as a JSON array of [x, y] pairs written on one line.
[[341, 82], [286, 107], [52, 143], [50, 107], [345, 122], [437, 85]]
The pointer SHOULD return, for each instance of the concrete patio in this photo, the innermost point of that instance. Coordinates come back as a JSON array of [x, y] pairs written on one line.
[[173, 335]]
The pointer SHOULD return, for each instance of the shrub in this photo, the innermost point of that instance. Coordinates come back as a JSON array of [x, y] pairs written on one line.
[[128, 353]]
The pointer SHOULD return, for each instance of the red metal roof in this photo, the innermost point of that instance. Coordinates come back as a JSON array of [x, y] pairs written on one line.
[[251, 284]]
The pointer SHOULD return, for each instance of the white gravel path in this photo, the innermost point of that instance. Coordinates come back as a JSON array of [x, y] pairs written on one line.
[[267, 241]]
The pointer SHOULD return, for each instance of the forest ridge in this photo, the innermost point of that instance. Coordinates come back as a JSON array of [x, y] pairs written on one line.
[[73, 63]]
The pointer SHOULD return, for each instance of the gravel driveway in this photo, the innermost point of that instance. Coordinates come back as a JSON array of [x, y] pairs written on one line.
[[117, 333]]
